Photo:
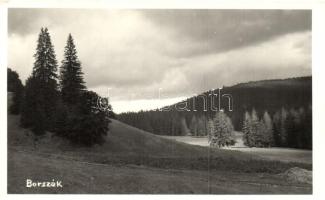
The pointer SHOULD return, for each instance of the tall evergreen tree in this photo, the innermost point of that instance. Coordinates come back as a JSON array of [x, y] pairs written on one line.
[[184, 128], [257, 133], [41, 88], [193, 126], [210, 129], [45, 65], [201, 126], [307, 124], [283, 130], [71, 76], [293, 129], [247, 136], [268, 130], [277, 128], [254, 128]]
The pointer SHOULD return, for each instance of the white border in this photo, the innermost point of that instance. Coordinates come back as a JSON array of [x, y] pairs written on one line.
[[318, 71], [3, 103], [318, 68], [151, 4]]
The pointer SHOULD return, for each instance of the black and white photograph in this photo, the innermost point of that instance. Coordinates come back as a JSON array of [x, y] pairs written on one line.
[[159, 101]]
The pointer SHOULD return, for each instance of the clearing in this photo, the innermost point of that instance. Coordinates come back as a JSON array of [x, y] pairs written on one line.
[[274, 153]]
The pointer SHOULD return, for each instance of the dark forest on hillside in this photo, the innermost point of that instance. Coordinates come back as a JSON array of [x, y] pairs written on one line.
[[287, 101]]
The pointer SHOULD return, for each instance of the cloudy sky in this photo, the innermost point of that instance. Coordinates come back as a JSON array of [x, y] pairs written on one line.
[[139, 55]]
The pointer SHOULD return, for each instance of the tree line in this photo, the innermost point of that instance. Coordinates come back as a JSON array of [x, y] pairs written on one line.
[[218, 128], [278, 110], [58, 102], [285, 128], [291, 128]]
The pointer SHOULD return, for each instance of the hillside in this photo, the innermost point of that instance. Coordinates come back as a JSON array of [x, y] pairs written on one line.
[[265, 95], [145, 162], [129, 145], [269, 95], [121, 140], [273, 83]]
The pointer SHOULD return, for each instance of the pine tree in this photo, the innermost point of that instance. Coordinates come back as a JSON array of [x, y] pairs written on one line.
[[201, 126], [246, 130], [307, 130], [293, 129], [193, 126], [184, 128], [277, 128], [71, 76], [257, 133], [45, 65], [283, 131], [268, 130], [41, 88], [263, 137], [254, 129], [210, 129], [221, 133]]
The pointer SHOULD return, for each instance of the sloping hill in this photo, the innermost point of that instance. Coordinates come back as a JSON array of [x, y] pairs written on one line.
[[128, 145], [274, 83], [130, 140], [122, 140], [134, 161]]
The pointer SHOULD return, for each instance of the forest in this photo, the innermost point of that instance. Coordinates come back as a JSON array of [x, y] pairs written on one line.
[[283, 107]]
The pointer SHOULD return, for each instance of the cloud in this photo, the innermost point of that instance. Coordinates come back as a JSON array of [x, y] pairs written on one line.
[[282, 57], [136, 52], [222, 30]]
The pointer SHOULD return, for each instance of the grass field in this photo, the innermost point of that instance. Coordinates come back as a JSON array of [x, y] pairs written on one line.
[[275, 154], [134, 161], [85, 177]]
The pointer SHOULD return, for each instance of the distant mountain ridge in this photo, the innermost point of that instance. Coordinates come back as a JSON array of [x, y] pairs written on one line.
[[276, 82]]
